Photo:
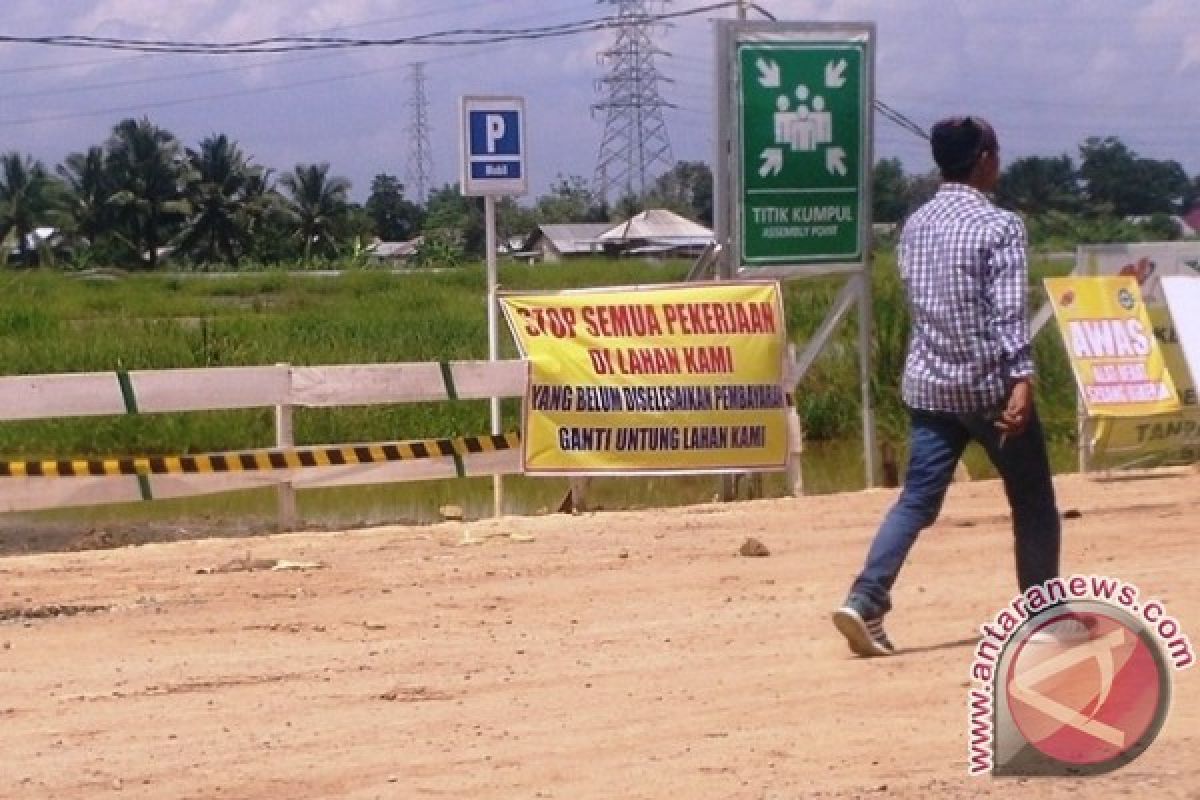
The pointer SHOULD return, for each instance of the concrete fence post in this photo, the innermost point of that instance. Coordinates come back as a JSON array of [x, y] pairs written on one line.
[[287, 517]]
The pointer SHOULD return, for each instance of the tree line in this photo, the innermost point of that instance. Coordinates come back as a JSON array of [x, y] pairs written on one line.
[[1110, 195], [142, 194]]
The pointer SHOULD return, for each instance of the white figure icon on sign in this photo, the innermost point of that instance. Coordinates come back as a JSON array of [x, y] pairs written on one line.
[[802, 129], [805, 128], [802, 138], [822, 121], [784, 118]]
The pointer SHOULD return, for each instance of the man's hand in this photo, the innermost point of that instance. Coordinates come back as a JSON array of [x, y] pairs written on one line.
[[1015, 416]]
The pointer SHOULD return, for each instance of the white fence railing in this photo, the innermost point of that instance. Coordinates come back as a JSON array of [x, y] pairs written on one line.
[[282, 387]]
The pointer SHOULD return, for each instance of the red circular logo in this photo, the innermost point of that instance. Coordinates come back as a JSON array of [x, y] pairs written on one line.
[[1087, 688]]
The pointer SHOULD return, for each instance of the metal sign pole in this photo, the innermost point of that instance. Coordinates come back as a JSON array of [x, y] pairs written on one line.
[[866, 309], [726, 268], [864, 366], [493, 319], [723, 181]]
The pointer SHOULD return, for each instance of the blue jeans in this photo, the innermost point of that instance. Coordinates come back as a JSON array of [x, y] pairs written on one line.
[[937, 441]]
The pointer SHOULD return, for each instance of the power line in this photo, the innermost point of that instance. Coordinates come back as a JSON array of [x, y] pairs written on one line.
[[763, 11], [282, 44], [364, 24], [195, 99], [177, 76], [892, 115], [278, 87], [71, 65]]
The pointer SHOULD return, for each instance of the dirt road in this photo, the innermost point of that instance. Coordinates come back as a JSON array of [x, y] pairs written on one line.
[[615, 655]]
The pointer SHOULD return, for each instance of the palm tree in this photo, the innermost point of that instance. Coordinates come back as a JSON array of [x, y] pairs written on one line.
[[27, 197], [146, 166], [222, 190], [87, 192], [263, 208], [268, 219], [317, 203]]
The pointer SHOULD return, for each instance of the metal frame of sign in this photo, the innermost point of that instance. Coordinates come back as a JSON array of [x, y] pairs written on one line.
[[732, 34]]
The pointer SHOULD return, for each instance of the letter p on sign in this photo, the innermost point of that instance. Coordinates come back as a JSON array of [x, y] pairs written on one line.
[[495, 130]]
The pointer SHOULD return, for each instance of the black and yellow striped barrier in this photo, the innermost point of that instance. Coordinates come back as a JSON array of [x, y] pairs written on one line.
[[263, 460]]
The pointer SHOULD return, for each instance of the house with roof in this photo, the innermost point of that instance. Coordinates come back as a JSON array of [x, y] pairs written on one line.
[[1183, 227], [394, 254], [557, 242], [657, 233], [1192, 222], [41, 241]]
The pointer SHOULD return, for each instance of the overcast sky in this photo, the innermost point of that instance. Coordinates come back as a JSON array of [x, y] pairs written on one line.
[[1048, 74]]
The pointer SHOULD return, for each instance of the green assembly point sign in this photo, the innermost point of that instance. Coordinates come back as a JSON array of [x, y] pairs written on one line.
[[801, 116]]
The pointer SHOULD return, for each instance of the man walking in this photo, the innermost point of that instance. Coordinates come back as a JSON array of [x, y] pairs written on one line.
[[968, 375]]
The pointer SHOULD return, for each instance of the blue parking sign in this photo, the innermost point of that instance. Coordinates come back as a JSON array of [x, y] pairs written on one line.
[[495, 132], [493, 146]]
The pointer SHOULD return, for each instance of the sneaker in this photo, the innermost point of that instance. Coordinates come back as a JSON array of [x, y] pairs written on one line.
[[864, 635], [1067, 630]]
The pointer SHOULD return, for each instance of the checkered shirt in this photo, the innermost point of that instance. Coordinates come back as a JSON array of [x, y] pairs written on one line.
[[964, 269]]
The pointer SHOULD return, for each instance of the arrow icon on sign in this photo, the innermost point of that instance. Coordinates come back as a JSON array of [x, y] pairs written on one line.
[[835, 161], [768, 74], [772, 162], [835, 74]]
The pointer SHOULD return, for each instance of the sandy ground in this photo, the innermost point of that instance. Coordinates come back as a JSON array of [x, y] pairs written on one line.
[[611, 655]]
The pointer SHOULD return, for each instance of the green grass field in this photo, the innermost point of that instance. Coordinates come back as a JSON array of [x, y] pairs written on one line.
[[56, 323], [51, 322]]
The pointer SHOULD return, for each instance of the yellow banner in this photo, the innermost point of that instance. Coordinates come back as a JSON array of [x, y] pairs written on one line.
[[651, 380], [1161, 439], [1110, 341], [1122, 442]]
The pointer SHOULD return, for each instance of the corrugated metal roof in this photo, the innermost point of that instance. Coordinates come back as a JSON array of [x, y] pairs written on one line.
[[395, 249], [658, 224], [571, 237], [574, 231]]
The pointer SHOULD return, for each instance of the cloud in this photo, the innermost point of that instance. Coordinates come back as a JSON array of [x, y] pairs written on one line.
[[1048, 74]]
